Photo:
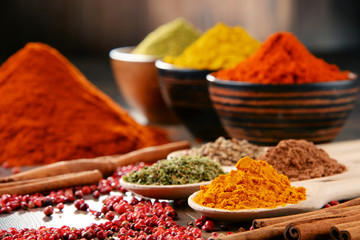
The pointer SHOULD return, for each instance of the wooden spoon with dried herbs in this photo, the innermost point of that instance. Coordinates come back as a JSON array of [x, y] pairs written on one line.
[[175, 178]]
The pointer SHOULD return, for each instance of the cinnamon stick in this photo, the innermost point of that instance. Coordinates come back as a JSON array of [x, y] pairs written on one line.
[[150, 154], [256, 234], [258, 223], [22, 182], [316, 228], [103, 164], [350, 230], [350, 233], [106, 165], [54, 182], [276, 231]]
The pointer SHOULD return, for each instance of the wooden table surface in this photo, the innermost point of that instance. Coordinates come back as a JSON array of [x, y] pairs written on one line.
[[345, 151]]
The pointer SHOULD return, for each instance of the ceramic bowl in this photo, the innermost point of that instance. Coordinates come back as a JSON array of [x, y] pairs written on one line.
[[266, 114], [137, 80], [186, 92]]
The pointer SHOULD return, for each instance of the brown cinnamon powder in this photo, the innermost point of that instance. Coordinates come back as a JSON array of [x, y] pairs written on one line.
[[301, 160]]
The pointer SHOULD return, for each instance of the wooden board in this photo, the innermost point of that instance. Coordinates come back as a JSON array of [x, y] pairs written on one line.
[[346, 152]]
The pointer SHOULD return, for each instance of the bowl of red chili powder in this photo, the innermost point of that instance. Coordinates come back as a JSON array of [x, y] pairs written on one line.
[[283, 91]]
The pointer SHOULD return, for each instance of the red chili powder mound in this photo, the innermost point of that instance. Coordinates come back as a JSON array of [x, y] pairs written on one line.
[[50, 112], [283, 59], [301, 160]]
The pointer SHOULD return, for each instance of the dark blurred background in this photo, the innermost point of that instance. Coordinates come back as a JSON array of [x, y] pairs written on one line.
[[86, 30]]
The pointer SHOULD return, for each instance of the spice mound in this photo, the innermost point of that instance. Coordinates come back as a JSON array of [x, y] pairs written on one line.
[[283, 59], [219, 47], [255, 184], [301, 160], [169, 39], [227, 151], [176, 171], [51, 112]]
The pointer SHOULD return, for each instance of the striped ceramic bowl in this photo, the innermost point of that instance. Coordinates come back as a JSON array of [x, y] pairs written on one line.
[[266, 114], [186, 92]]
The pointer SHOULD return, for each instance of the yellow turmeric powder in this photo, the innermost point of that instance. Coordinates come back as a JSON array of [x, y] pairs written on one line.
[[219, 47], [255, 184]]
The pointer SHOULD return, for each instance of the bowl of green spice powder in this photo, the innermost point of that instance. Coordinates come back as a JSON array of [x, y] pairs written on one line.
[[136, 75], [175, 178]]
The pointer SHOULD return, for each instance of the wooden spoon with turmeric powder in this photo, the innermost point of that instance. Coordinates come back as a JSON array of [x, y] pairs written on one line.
[[317, 195]]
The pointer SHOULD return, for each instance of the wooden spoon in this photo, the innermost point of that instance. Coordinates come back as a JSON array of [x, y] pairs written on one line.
[[318, 194]]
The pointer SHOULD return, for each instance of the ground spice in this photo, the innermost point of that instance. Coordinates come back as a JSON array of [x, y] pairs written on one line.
[[50, 112], [169, 39], [301, 160], [177, 170], [283, 59], [227, 151], [219, 47], [255, 184]]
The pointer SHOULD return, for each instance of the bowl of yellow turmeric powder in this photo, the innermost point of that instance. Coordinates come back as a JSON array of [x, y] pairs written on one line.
[[281, 92], [183, 78]]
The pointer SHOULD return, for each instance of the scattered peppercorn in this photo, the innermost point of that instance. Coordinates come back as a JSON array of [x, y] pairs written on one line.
[[331, 203], [208, 226], [214, 234], [86, 190], [79, 194], [84, 206], [78, 203], [15, 170], [49, 210], [5, 164], [110, 215], [154, 217], [105, 209], [60, 206], [96, 194], [144, 220]]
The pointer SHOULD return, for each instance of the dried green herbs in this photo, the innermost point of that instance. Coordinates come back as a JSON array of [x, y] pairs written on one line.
[[176, 171]]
